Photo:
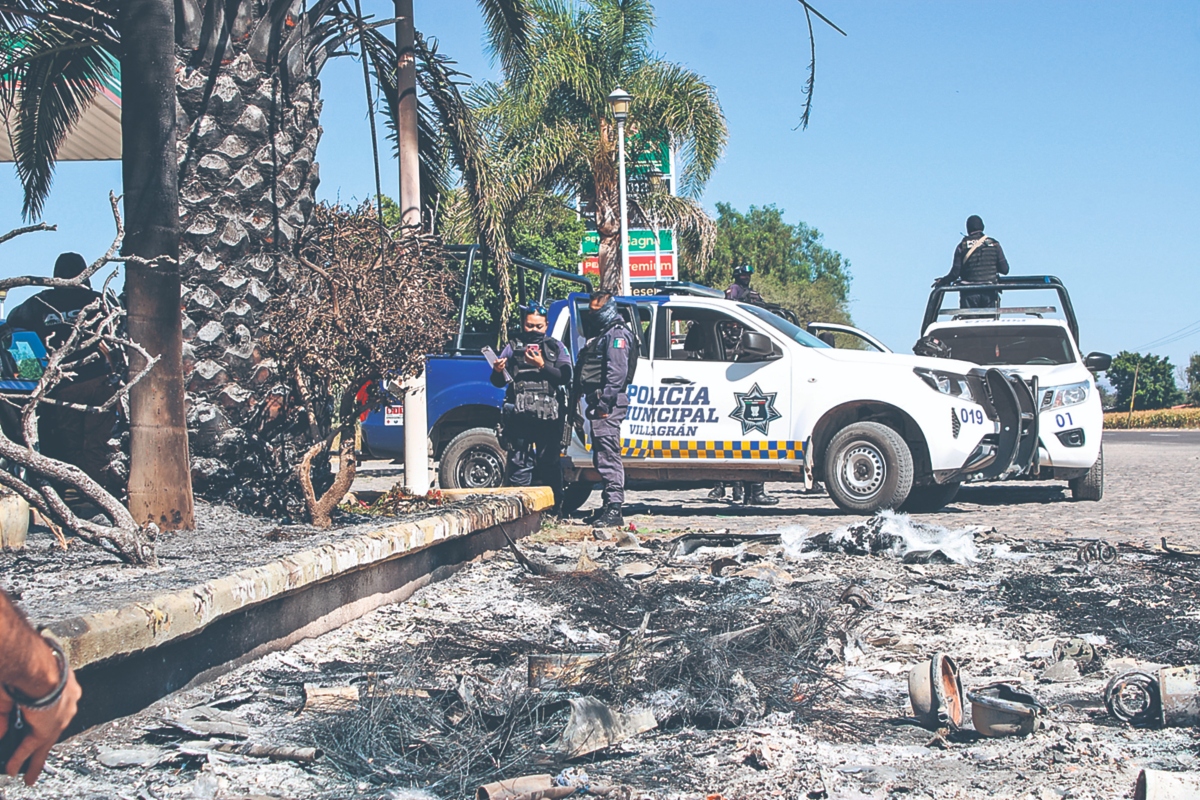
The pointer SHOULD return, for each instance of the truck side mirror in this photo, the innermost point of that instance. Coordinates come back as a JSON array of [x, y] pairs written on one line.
[[757, 346], [1097, 362]]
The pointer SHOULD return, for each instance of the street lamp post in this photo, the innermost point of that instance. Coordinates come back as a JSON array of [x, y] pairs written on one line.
[[620, 100]]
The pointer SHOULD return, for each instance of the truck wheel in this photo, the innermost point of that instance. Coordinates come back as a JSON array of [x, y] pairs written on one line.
[[868, 467], [1090, 486], [473, 460], [927, 499], [575, 495]]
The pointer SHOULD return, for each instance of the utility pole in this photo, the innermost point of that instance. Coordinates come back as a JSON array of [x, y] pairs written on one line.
[[416, 443], [160, 476]]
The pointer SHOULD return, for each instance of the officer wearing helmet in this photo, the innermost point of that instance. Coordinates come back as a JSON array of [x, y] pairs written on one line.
[[606, 365], [740, 288], [977, 259], [533, 370]]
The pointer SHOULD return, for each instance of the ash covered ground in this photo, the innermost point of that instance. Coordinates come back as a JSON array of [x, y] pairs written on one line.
[[770, 672]]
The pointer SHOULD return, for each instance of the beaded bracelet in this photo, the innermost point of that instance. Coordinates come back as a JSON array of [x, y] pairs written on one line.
[[25, 701]]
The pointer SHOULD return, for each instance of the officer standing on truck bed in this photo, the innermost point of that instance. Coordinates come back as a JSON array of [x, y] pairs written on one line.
[[977, 259], [606, 366], [533, 371], [740, 291]]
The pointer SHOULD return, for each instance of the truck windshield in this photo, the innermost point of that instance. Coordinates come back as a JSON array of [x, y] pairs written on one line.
[[1009, 344], [789, 330]]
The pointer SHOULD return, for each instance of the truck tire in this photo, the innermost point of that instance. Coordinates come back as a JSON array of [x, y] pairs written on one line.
[[868, 467], [473, 460], [931, 498], [574, 496], [1090, 486]]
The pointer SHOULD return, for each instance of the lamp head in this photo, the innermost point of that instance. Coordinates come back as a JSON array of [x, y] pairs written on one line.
[[619, 100]]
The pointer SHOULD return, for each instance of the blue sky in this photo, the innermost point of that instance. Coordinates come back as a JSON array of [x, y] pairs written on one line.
[[1072, 128]]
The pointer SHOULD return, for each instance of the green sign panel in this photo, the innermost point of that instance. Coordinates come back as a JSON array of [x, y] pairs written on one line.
[[655, 160], [640, 241]]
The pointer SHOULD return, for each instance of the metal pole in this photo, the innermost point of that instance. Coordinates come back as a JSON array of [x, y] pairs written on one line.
[[624, 210], [416, 440]]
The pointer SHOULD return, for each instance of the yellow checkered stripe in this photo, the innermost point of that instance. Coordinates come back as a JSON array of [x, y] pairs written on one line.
[[747, 449]]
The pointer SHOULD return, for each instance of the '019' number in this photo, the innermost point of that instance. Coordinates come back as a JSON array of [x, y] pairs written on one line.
[[971, 415]]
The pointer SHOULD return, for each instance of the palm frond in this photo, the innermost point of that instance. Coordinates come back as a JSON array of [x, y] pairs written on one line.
[[54, 79], [507, 23], [675, 102]]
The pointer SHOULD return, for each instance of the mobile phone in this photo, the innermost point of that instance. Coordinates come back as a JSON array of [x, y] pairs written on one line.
[[534, 348], [16, 733]]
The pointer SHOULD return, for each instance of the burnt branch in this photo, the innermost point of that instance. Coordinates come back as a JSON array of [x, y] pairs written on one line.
[[75, 355], [359, 314]]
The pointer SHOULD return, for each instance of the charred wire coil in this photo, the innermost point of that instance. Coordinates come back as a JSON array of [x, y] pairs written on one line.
[[1133, 697], [1092, 552]]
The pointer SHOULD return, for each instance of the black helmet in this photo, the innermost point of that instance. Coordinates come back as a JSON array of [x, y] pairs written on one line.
[[974, 224], [744, 269]]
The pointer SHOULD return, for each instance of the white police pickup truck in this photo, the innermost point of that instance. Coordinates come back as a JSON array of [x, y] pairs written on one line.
[[1024, 340], [730, 391]]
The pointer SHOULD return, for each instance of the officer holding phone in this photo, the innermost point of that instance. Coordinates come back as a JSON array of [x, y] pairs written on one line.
[[533, 370]]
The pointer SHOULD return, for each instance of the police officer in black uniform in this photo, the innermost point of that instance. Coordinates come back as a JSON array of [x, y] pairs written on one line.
[[977, 259], [740, 288], [67, 434], [533, 370], [605, 370], [754, 492]]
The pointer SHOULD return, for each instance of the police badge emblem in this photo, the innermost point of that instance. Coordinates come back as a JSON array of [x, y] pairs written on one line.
[[755, 410]]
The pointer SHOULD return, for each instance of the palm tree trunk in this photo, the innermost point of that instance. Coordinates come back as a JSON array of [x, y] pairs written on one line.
[[406, 125], [247, 184], [160, 486]]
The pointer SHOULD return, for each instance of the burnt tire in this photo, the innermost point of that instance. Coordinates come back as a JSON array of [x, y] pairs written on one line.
[[927, 499], [574, 496], [473, 460], [868, 467], [1091, 485]]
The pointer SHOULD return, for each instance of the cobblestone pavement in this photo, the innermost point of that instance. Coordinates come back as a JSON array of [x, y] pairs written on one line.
[[1152, 481]]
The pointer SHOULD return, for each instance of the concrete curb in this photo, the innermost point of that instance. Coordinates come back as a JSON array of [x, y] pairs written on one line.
[[117, 633]]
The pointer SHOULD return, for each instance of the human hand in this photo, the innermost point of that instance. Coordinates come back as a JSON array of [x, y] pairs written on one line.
[[534, 357], [498, 364], [45, 726]]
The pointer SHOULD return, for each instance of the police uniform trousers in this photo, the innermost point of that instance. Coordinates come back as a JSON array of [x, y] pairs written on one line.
[[534, 446], [81, 437], [606, 452], [978, 299]]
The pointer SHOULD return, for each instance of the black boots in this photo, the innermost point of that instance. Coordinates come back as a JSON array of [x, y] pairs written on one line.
[[717, 492], [757, 496], [609, 517], [739, 491]]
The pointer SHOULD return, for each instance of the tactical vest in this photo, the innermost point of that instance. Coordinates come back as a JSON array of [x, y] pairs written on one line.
[[594, 358], [533, 394], [983, 265]]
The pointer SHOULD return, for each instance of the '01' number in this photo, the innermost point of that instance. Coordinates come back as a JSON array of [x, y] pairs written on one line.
[[1063, 420], [969, 415]]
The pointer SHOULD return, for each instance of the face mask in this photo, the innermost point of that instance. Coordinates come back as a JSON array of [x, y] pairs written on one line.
[[530, 337], [597, 322]]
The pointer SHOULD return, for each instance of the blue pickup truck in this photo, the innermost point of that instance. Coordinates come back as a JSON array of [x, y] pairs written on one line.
[[463, 406]]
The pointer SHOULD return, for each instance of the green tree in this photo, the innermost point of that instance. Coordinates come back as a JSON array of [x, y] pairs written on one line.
[[553, 127], [1193, 379], [792, 265], [1155, 381]]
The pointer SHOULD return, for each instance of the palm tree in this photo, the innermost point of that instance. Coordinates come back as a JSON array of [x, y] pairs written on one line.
[[553, 127], [249, 98]]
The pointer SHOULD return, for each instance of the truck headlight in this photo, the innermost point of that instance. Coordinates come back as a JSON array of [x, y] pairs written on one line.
[[946, 382], [1071, 394]]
